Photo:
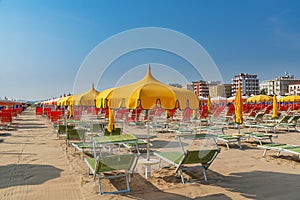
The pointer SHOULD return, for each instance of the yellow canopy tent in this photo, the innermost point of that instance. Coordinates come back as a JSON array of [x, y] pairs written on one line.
[[292, 98], [85, 99], [102, 97], [69, 102], [66, 101], [259, 98], [63, 101], [147, 93]]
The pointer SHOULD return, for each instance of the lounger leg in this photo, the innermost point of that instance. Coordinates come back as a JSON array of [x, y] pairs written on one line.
[[204, 174], [181, 174], [278, 153], [127, 182], [227, 145], [159, 164], [239, 143], [100, 188], [265, 152]]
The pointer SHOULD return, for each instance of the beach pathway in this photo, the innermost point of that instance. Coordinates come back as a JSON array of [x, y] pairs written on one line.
[[33, 164]]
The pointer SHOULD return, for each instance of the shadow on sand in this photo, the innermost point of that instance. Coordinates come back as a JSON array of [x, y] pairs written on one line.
[[26, 174], [251, 185]]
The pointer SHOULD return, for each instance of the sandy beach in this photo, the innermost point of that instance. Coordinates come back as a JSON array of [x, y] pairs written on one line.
[[35, 165]]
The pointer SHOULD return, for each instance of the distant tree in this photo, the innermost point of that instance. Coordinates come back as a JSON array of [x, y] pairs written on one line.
[[264, 91]]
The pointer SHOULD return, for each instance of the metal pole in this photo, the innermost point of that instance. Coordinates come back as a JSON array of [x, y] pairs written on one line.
[[148, 140]]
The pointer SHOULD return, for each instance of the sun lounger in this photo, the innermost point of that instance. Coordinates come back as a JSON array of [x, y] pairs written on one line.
[[131, 145], [84, 146], [273, 125], [230, 139], [182, 159], [116, 131], [259, 136], [291, 123], [109, 140], [123, 164], [258, 118], [62, 129], [75, 134], [212, 129], [293, 149], [97, 127]]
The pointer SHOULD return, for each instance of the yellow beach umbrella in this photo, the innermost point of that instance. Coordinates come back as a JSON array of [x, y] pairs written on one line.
[[209, 104], [259, 98], [275, 109], [238, 106], [111, 120]]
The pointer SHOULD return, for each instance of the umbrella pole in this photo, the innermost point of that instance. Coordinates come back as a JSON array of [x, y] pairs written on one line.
[[148, 139]]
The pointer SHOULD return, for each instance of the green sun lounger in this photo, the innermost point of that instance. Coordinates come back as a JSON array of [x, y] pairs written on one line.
[[74, 134], [195, 157], [229, 139], [289, 148], [292, 123], [62, 129], [259, 136], [124, 164], [131, 145], [110, 140], [84, 146], [212, 129], [181, 160]]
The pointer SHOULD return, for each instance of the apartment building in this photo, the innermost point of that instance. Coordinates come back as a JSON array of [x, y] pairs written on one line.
[[280, 85], [222, 90], [249, 84]]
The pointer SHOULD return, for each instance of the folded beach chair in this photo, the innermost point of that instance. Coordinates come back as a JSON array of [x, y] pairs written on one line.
[[123, 164], [182, 158], [289, 148]]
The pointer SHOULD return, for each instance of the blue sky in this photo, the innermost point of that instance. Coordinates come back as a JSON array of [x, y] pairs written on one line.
[[43, 43]]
